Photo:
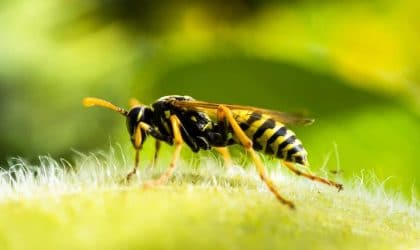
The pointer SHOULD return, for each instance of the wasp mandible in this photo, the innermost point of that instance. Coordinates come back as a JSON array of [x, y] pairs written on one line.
[[202, 125]]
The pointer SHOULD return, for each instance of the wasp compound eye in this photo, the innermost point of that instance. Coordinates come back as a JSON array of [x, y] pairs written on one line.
[[133, 118]]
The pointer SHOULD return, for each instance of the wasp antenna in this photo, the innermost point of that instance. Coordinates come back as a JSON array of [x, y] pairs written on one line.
[[93, 101]]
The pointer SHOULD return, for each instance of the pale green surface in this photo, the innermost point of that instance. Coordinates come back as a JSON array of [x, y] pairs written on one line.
[[354, 66], [203, 208]]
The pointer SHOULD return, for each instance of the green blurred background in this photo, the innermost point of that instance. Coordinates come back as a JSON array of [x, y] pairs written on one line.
[[353, 65]]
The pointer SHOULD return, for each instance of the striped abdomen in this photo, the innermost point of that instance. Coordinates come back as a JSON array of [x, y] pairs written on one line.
[[271, 137]]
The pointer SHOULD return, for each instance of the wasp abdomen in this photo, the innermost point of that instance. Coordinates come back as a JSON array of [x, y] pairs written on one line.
[[271, 137]]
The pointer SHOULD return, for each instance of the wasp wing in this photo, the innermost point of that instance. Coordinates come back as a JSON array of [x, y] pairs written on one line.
[[211, 108]]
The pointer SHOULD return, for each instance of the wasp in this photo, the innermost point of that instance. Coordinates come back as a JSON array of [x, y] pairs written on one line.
[[177, 119]]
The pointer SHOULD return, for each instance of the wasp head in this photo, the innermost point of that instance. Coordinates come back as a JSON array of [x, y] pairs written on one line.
[[139, 113], [136, 115]]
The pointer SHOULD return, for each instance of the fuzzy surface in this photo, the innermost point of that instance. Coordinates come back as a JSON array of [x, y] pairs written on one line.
[[205, 206]]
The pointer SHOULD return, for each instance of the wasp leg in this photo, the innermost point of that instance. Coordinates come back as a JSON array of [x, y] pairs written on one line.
[[156, 155], [137, 146], [292, 168], [138, 142], [224, 151], [158, 136], [225, 113], [178, 146]]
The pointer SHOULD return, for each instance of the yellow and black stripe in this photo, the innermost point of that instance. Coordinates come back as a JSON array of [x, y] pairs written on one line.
[[270, 136]]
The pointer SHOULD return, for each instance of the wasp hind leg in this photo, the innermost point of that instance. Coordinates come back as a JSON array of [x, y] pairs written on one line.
[[178, 146], [224, 113], [292, 168]]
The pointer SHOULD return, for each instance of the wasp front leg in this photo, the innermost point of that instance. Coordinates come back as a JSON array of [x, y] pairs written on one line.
[[224, 113], [178, 141], [137, 146]]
